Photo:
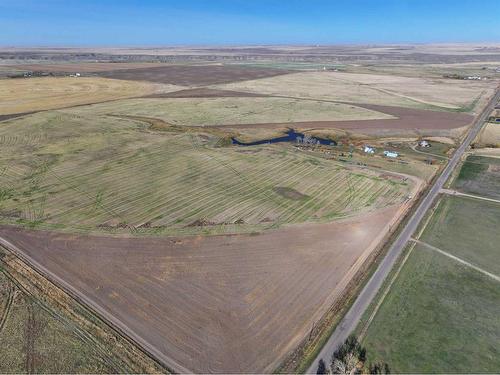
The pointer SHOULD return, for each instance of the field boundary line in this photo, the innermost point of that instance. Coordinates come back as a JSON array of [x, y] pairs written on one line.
[[108, 318], [60, 317], [459, 194], [457, 259]]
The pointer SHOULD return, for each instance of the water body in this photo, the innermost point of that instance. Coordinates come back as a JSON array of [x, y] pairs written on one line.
[[291, 136]]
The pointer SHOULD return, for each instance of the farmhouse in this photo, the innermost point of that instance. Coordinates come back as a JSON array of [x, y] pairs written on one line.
[[369, 150], [424, 143]]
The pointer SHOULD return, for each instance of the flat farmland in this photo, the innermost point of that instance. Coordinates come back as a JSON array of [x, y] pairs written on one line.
[[372, 89], [439, 317], [27, 338], [453, 232], [203, 92], [82, 67], [232, 110], [101, 173], [490, 135], [258, 114], [226, 304], [35, 94], [441, 313], [403, 122], [43, 330], [479, 175], [193, 75]]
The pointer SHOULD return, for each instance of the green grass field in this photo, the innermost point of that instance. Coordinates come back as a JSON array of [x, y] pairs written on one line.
[[468, 229], [99, 173], [479, 175], [439, 317]]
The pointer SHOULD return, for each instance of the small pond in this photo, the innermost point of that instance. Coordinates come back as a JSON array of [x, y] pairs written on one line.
[[291, 136]]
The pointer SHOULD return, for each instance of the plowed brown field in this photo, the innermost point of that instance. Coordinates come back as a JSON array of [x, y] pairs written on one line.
[[214, 304], [407, 120], [86, 67], [194, 75]]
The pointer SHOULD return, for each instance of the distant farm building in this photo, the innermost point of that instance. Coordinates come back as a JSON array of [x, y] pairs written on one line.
[[369, 150], [391, 154], [424, 143]]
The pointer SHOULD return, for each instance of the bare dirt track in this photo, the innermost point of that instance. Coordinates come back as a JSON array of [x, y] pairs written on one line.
[[214, 304], [194, 75], [406, 120]]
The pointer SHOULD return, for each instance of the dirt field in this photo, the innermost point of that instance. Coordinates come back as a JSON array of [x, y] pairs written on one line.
[[489, 136], [215, 304], [79, 67], [27, 332], [407, 121], [194, 75], [43, 330], [372, 89], [35, 94]]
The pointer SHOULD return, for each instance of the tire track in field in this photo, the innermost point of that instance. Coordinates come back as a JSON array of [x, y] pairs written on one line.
[[242, 177], [8, 304], [98, 348]]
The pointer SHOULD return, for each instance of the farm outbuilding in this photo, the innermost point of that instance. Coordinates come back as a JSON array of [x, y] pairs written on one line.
[[391, 154], [369, 150], [424, 143]]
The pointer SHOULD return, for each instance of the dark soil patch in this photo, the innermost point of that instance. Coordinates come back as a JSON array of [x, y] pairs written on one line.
[[194, 75], [408, 120], [14, 115], [290, 193]]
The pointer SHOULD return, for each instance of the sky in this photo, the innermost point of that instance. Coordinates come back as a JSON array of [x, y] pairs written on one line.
[[233, 22]]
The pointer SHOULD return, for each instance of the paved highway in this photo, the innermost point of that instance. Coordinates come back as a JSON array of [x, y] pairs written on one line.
[[353, 316]]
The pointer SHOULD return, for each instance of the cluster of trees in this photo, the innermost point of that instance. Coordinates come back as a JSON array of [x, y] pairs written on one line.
[[350, 358], [307, 140]]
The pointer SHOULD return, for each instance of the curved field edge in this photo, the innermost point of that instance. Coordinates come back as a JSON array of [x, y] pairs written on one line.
[[183, 283], [37, 94], [116, 174], [217, 111]]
